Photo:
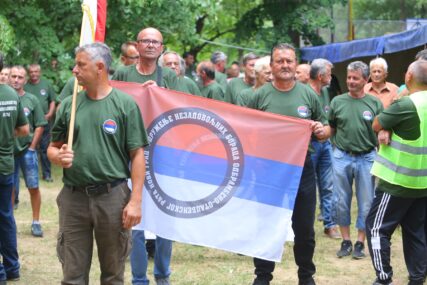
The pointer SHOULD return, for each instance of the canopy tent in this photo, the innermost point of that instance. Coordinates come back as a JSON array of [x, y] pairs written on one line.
[[398, 50]]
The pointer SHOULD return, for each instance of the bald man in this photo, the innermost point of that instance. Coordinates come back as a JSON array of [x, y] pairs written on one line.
[[302, 73]]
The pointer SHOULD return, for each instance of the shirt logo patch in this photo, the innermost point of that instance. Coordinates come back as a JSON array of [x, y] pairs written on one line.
[[27, 111], [303, 111], [367, 115], [109, 126], [43, 92]]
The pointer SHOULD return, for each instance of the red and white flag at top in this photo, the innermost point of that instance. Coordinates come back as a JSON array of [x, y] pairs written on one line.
[[93, 22]]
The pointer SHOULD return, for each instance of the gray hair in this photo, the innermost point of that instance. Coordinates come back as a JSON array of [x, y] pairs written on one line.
[[359, 65], [379, 61], [318, 66], [419, 70], [180, 59], [218, 56], [261, 63], [422, 54], [97, 52], [248, 56]]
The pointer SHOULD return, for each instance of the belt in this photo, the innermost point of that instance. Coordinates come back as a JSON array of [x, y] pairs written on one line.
[[97, 189], [356, 153]]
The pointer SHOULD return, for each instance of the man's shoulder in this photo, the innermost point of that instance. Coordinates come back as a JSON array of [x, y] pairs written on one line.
[[124, 70], [31, 97], [373, 99], [7, 92]]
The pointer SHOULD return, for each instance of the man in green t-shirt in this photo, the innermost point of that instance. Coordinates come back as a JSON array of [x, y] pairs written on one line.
[[190, 65], [172, 60], [147, 72], [44, 91], [395, 204], [25, 148], [285, 96], [350, 117], [95, 201], [320, 78], [210, 88], [12, 123], [219, 61], [237, 85]]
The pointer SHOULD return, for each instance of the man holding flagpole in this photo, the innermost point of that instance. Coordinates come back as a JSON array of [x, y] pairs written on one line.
[[95, 201]]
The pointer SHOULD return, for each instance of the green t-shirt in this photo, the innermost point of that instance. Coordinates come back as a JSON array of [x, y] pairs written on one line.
[[11, 116], [244, 96], [300, 102], [190, 71], [402, 118], [130, 74], [234, 87], [43, 91], [221, 78], [67, 90], [34, 113], [188, 86], [213, 91], [105, 132], [352, 120]]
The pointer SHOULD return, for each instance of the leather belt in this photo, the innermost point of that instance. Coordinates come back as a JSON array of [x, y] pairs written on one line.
[[97, 189], [356, 153]]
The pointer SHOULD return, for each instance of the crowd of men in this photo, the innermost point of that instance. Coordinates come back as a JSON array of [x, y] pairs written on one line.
[[373, 136]]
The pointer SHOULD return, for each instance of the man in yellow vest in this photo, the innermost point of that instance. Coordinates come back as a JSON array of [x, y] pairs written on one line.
[[401, 166]]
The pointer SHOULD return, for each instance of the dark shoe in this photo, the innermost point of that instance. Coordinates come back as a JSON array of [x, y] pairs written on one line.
[[14, 277], [3, 282], [261, 282], [412, 282], [346, 248], [162, 281], [36, 230], [358, 252], [382, 282], [332, 233], [307, 282]]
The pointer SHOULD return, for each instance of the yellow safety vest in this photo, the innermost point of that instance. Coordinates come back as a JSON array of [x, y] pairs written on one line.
[[404, 162]]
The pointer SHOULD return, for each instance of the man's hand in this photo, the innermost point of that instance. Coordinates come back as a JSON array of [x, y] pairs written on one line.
[[320, 131], [149, 83], [65, 156], [384, 137], [131, 214]]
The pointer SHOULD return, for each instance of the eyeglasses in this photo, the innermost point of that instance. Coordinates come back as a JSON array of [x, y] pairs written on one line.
[[147, 42]]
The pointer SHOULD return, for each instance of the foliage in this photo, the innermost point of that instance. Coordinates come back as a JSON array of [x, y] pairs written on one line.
[[390, 9], [7, 35]]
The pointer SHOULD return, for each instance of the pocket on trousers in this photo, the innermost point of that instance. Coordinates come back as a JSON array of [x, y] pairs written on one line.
[[60, 247], [126, 244], [337, 153], [370, 157]]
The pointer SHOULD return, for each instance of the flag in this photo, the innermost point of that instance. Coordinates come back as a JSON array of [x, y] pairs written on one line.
[[93, 22], [219, 175]]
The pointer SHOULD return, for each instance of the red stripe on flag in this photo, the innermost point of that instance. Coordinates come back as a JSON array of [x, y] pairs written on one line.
[[101, 20]]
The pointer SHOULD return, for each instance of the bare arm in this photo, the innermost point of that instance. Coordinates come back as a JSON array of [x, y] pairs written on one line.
[[59, 154], [132, 212], [22, 131], [38, 132], [49, 114]]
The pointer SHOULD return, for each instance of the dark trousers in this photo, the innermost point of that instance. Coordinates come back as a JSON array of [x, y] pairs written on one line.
[[43, 144], [303, 226], [386, 213]]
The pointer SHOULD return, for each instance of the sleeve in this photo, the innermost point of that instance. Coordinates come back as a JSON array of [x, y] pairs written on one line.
[[318, 113], [21, 119], [400, 111], [332, 118], [39, 119], [60, 127], [52, 94], [194, 88], [67, 90], [118, 75], [136, 135]]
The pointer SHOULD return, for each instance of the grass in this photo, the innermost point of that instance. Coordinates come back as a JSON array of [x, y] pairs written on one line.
[[190, 264]]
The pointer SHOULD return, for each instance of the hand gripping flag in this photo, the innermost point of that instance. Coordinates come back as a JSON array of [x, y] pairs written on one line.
[[219, 175]]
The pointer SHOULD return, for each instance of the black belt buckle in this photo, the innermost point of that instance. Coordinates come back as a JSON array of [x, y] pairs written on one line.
[[95, 190]]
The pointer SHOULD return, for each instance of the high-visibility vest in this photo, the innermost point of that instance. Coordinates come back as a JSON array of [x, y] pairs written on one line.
[[404, 162]]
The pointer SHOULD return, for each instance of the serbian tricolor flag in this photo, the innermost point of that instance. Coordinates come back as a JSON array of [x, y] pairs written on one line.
[[93, 22], [219, 175]]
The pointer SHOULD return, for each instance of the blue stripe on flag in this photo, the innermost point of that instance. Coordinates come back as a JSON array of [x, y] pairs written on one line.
[[264, 181]]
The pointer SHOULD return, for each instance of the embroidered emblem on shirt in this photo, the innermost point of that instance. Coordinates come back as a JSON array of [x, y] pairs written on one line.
[[109, 126], [367, 115], [303, 111]]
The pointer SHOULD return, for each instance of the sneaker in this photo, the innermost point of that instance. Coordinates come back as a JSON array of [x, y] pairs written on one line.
[[346, 248], [261, 282], [162, 281], [382, 282], [358, 252], [332, 233], [48, 179], [36, 230]]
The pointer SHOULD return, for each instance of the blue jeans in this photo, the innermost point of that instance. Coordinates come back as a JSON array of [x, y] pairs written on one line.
[[8, 246], [346, 169], [29, 165], [43, 144], [139, 258], [322, 163]]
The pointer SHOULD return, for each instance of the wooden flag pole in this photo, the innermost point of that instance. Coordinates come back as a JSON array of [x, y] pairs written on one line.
[[73, 115]]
